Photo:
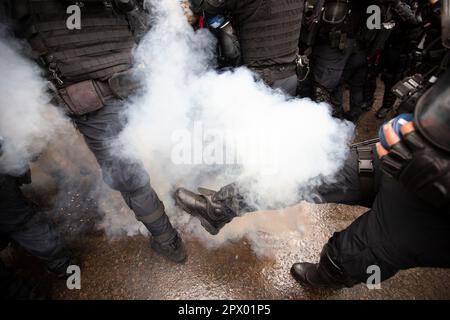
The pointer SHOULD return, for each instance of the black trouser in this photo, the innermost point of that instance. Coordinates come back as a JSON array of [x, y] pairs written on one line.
[[100, 130], [32, 231], [332, 66], [398, 232]]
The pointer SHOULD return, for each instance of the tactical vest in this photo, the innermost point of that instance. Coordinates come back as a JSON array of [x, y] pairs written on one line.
[[269, 31], [101, 48]]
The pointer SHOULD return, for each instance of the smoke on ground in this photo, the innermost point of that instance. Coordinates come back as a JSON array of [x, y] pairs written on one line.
[[193, 126]]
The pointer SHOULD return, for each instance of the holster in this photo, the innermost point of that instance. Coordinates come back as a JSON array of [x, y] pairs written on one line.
[[84, 97]]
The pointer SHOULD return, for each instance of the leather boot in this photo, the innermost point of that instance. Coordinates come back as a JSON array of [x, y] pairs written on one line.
[[389, 100], [60, 262], [173, 249], [166, 240], [212, 214], [325, 274]]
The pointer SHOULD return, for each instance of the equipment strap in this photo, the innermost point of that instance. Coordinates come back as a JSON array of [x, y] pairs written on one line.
[[154, 216], [366, 172]]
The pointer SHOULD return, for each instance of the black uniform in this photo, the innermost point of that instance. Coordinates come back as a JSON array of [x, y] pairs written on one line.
[[337, 55], [268, 32], [400, 231], [402, 54]]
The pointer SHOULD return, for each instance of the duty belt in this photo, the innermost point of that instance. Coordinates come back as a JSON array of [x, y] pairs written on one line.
[[90, 95]]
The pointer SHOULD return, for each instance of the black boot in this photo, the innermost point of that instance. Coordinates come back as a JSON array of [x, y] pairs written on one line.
[[383, 112], [59, 264], [165, 239], [389, 100], [353, 115], [172, 249], [213, 214], [325, 274]]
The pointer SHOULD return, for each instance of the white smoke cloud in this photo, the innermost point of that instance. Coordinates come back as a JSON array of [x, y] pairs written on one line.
[[283, 144], [191, 126], [27, 120]]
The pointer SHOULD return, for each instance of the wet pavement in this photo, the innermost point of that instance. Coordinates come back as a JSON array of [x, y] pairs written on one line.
[[126, 268]]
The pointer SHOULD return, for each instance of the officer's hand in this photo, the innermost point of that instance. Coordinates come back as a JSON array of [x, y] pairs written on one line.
[[392, 138], [418, 165]]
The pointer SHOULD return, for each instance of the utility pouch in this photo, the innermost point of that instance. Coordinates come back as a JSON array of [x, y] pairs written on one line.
[[124, 84], [82, 97]]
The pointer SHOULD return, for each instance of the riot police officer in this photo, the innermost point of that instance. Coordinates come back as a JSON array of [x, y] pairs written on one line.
[[268, 33], [341, 49], [91, 72], [407, 187], [336, 53], [413, 47]]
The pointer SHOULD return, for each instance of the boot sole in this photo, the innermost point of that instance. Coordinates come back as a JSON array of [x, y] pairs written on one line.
[[206, 225]]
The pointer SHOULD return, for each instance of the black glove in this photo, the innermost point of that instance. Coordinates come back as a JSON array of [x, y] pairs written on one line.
[[421, 168]]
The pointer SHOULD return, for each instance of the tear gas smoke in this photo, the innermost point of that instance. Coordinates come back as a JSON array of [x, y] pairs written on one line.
[[27, 120], [195, 126]]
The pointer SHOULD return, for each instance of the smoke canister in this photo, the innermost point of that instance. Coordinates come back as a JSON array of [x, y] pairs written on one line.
[[396, 124]]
